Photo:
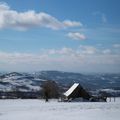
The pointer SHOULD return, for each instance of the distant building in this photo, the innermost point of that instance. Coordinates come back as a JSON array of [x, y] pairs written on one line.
[[76, 91]]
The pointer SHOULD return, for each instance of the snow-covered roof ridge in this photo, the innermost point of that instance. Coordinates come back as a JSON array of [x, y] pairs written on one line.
[[72, 88]]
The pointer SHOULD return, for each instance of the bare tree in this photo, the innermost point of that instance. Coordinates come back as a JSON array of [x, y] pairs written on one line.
[[50, 90]]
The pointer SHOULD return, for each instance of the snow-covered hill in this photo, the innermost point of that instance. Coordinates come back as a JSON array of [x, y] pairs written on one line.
[[33, 81], [21, 81]]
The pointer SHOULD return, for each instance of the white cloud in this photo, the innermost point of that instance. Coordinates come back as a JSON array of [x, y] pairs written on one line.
[[64, 51], [84, 58], [107, 51], [101, 15], [3, 6], [69, 23], [76, 36], [116, 45], [88, 49], [24, 20], [104, 18]]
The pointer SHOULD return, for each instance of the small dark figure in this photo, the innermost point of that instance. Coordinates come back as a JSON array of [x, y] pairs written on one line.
[[46, 96], [110, 99], [114, 98]]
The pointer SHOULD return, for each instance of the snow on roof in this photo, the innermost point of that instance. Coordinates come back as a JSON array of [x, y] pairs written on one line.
[[74, 86]]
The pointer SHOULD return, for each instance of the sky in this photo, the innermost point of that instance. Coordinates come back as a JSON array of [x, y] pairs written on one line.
[[65, 35]]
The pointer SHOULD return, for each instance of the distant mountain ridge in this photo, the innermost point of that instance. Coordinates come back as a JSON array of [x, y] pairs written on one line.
[[34, 81]]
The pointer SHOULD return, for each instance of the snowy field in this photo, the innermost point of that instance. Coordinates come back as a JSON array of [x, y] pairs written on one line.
[[53, 110]]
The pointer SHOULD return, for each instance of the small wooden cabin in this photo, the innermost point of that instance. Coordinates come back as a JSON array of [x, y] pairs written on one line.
[[76, 91]]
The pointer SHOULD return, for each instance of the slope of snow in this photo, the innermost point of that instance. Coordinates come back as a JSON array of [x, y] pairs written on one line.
[[24, 82], [53, 110], [69, 91]]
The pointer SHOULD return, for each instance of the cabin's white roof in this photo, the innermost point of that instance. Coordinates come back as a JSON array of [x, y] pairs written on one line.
[[68, 92]]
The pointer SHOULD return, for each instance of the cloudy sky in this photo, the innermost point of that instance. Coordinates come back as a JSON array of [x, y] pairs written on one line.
[[66, 35]]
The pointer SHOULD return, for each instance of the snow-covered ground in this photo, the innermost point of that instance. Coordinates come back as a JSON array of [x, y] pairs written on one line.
[[39, 110]]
